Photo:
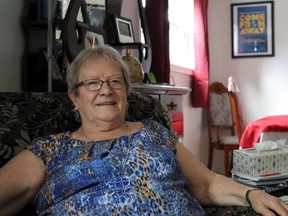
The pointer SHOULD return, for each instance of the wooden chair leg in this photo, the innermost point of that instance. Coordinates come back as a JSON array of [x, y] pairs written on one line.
[[210, 157]]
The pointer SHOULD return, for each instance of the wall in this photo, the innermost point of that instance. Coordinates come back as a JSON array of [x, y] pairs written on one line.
[[262, 81], [195, 131], [11, 45]]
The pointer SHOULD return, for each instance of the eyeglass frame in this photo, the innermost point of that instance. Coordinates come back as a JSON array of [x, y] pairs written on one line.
[[82, 83]]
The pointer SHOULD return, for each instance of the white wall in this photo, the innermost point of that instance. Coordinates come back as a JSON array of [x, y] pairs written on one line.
[[262, 81]]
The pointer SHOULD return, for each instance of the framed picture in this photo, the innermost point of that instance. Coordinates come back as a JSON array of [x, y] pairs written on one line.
[[96, 14], [252, 29], [95, 37], [124, 30], [119, 29]]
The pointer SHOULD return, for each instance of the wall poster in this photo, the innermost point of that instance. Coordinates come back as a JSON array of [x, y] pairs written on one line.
[[252, 29]]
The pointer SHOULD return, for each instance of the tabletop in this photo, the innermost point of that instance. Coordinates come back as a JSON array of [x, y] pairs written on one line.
[[253, 130]]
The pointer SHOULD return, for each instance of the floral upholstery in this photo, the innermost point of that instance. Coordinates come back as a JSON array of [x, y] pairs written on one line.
[[28, 115], [230, 211], [221, 115], [220, 109], [25, 116]]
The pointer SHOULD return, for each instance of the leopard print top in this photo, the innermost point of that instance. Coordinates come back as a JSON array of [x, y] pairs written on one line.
[[135, 175]]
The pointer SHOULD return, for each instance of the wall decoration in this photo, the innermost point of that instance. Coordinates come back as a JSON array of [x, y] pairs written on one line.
[[95, 37], [119, 29], [96, 14], [252, 29], [124, 30]]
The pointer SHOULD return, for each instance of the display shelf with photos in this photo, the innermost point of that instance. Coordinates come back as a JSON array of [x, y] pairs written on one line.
[[35, 28], [35, 25], [120, 34]]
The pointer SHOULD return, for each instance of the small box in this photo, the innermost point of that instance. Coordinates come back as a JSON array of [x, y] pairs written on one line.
[[253, 163]]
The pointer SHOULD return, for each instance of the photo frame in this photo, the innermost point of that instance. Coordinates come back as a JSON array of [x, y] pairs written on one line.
[[124, 30], [95, 37], [96, 14], [119, 29], [252, 29]]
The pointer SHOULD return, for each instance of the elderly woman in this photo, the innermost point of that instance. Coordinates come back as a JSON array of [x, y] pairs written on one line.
[[113, 167]]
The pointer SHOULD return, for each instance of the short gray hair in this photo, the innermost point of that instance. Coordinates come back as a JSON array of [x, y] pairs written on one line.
[[101, 52]]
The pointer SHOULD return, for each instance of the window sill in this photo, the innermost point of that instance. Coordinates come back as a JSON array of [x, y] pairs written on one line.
[[179, 69]]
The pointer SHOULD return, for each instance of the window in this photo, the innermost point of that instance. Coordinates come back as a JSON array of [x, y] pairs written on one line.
[[181, 19]]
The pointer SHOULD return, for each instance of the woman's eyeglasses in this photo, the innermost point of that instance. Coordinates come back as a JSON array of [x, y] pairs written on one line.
[[96, 84]]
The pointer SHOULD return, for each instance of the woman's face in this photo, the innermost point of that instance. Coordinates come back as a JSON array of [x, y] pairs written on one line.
[[105, 105]]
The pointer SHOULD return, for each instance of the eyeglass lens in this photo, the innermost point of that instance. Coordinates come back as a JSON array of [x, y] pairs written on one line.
[[94, 84]]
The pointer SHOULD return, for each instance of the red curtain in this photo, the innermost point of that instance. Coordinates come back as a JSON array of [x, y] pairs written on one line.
[[158, 25], [201, 71]]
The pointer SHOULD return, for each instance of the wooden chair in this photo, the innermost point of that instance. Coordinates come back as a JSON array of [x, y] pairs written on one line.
[[223, 124]]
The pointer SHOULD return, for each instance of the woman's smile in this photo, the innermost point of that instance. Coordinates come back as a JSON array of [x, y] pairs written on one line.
[[106, 103]]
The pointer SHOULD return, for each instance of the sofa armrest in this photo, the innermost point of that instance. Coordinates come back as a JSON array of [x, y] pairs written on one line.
[[30, 210], [229, 211]]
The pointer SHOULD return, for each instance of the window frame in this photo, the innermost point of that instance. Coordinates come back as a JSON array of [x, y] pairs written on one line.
[[177, 65]]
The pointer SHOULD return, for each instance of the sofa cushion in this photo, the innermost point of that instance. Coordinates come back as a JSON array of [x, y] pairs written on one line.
[[26, 116]]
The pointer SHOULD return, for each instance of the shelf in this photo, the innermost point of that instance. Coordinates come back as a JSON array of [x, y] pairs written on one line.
[[158, 89], [136, 45]]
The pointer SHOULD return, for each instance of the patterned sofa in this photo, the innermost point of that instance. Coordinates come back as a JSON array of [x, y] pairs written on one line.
[[25, 116]]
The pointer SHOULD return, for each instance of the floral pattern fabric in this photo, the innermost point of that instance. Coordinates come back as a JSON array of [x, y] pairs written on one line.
[[130, 175], [220, 109], [25, 116]]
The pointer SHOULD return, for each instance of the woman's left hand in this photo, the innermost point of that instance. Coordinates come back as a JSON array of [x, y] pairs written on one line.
[[265, 204]]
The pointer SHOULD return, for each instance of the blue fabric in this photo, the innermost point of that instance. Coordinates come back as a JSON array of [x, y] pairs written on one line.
[[136, 175]]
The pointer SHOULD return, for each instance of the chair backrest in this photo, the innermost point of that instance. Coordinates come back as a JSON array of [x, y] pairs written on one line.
[[220, 113], [237, 105], [236, 116], [222, 109]]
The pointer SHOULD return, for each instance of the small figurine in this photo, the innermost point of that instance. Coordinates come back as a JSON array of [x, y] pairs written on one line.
[[232, 86]]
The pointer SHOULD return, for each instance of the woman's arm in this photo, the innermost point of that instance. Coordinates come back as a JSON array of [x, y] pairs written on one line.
[[210, 188], [20, 180]]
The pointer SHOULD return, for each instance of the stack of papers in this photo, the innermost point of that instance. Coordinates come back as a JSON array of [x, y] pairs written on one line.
[[271, 179]]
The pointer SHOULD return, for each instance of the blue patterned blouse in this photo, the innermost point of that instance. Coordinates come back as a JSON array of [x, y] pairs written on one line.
[[136, 175]]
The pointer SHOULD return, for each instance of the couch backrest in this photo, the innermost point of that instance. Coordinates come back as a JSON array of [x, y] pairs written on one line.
[[25, 116]]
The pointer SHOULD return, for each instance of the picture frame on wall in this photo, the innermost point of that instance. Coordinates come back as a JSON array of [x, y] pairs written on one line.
[[252, 29]]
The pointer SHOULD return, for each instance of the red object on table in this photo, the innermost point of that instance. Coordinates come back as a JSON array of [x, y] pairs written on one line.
[[254, 129]]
